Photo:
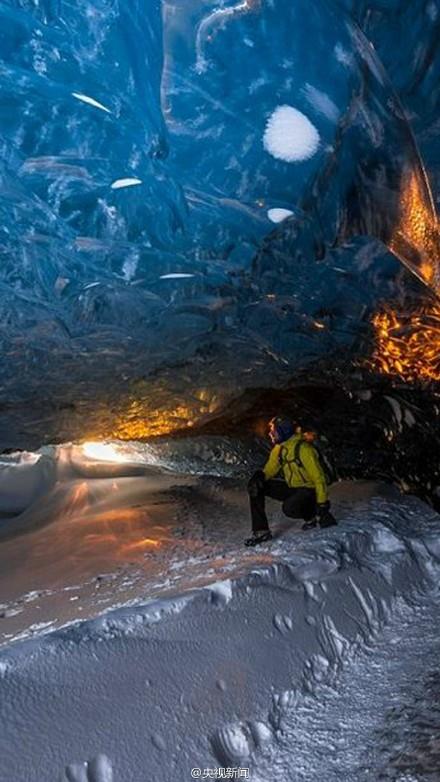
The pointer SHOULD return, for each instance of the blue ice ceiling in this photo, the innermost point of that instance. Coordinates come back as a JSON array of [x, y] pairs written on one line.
[[185, 192]]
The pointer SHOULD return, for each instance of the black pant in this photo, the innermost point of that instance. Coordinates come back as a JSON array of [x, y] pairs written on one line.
[[297, 503]]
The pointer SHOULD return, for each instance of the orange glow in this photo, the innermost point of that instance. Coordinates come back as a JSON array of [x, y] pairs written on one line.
[[151, 408], [77, 501], [140, 421], [116, 514], [141, 544], [408, 345], [415, 239], [141, 418]]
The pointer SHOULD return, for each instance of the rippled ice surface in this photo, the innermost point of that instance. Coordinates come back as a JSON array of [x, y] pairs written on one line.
[[410, 741], [380, 721]]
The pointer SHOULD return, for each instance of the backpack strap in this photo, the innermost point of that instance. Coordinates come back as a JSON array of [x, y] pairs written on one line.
[[296, 457], [296, 454]]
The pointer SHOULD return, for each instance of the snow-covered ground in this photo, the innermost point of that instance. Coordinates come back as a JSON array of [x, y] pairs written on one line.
[[141, 640]]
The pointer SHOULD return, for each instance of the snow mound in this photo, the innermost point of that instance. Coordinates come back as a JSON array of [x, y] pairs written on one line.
[[290, 136], [221, 592]]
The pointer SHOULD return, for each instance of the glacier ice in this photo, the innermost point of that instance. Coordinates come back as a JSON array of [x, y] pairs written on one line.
[[140, 266]]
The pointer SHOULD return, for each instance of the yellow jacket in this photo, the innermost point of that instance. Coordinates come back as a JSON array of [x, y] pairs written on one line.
[[309, 475]]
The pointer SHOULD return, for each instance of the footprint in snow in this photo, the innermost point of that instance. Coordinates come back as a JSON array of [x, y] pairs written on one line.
[[99, 769], [234, 744], [230, 744]]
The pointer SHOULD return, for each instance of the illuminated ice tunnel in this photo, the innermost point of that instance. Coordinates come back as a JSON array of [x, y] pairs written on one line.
[[196, 199]]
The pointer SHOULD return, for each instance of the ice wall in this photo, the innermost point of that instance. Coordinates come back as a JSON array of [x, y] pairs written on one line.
[[213, 678], [169, 175]]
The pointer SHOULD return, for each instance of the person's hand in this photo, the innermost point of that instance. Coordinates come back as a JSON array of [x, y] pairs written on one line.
[[324, 517], [256, 483]]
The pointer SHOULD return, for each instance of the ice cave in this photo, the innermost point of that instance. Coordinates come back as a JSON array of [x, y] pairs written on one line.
[[214, 213]]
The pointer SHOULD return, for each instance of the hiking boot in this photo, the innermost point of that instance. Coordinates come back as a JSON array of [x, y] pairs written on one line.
[[309, 525], [258, 537]]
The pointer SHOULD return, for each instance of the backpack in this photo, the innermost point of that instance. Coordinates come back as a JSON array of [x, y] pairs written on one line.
[[296, 459]]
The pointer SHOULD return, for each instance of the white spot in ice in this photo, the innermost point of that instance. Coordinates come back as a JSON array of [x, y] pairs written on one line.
[[256, 84], [129, 267], [128, 182], [321, 102], [175, 276], [342, 56], [90, 101], [290, 135], [278, 215]]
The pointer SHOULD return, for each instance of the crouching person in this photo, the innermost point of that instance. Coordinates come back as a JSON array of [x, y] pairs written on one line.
[[293, 475]]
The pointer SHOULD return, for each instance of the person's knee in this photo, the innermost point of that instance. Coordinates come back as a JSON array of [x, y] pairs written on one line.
[[300, 506]]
